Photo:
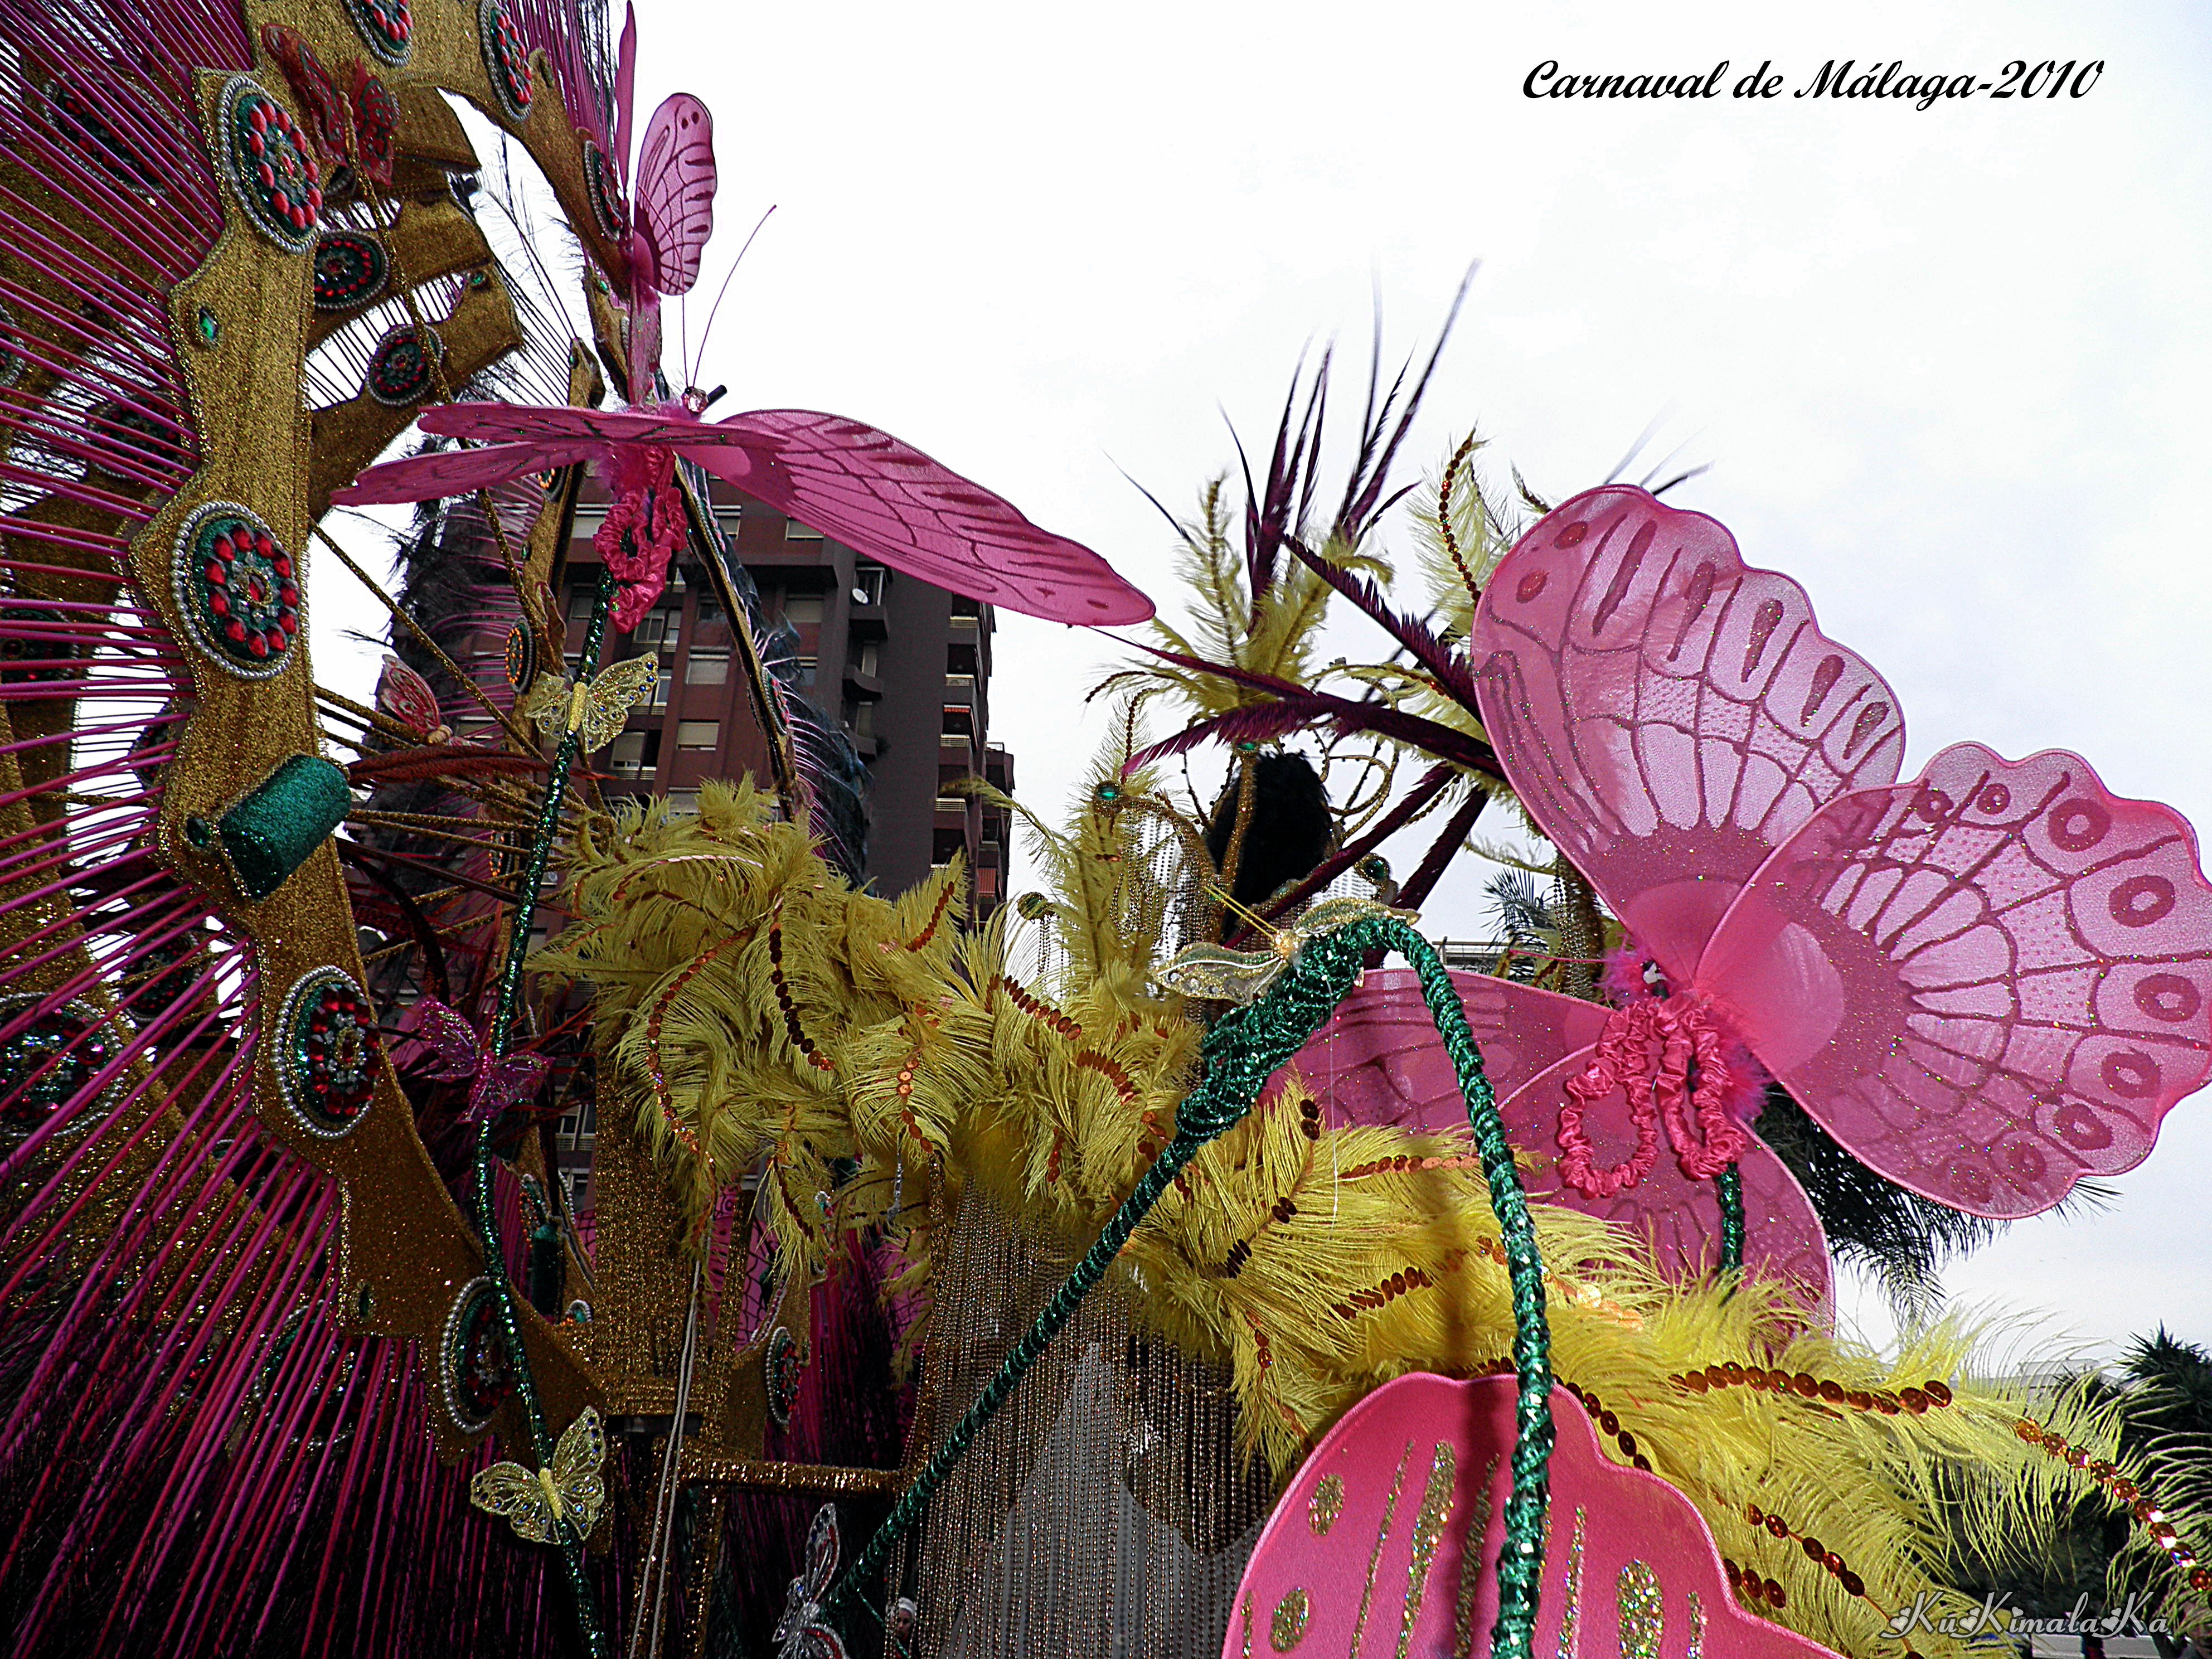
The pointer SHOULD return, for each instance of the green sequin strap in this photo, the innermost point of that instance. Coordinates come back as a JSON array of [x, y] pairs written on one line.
[[1729, 1182], [1241, 1052]]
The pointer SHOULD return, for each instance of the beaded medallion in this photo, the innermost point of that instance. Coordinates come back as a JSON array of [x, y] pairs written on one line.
[[387, 27], [125, 439], [235, 584], [399, 375], [350, 270], [76, 121], [506, 57], [35, 645], [263, 155], [46, 1065], [474, 1375], [780, 1369], [326, 1053], [522, 656], [608, 209]]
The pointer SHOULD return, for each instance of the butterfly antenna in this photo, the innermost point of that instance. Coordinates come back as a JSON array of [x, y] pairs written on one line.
[[1668, 460], [1637, 448], [1243, 913], [690, 374]]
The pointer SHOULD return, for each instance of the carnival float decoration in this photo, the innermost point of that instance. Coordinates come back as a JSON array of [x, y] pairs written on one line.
[[1149, 1268]]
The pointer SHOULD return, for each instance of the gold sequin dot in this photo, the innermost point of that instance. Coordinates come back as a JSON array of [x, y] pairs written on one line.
[[1288, 1628]]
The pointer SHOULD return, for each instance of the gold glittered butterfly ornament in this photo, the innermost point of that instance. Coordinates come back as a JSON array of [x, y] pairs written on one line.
[[596, 707], [1214, 973], [559, 1502]]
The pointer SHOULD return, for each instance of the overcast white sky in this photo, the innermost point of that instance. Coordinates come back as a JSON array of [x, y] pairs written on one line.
[[1951, 366]]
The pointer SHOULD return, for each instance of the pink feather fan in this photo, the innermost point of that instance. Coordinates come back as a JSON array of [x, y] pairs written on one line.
[[1987, 983]]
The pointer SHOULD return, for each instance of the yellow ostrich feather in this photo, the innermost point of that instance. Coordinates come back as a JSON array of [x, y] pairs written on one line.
[[752, 1004]]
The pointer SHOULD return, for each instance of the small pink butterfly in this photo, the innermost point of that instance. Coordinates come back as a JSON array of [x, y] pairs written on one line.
[[1986, 983], [883, 499], [804, 1632], [407, 697], [495, 1085], [1387, 1539]]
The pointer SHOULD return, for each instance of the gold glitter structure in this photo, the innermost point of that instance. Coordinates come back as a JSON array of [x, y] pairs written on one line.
[[1325, 1504], [1642, 1611], [1287, 1628]]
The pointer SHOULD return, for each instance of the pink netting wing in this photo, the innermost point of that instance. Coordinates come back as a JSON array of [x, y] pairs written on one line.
[[1668, 714], [1680, 1215], [1386, 1541], [456, 472], [1378, 1059], [675, 192], [887, 499], [553, 423], [625, 91], [407, 697], [1987, 983]]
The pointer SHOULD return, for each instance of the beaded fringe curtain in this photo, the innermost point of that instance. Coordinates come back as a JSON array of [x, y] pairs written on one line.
[[1104, 1513]]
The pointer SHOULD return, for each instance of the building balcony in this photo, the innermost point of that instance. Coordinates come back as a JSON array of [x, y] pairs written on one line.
[[868, 622], [960, 689]]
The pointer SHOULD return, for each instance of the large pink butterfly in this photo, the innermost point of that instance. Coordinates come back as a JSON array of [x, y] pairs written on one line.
[[883, 498], [1986, 983], [1387, 1540]]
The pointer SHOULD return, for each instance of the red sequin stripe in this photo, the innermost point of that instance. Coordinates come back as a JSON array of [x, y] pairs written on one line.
[[799, 1040], [921, 941], [1805, 1386], [904, 1089], [1041, 1011], [1407, 1161], [1603, 1417], [1091, 1061], [1752, 1588], [1389, 1290], [661, 1096], [2147, 1514]]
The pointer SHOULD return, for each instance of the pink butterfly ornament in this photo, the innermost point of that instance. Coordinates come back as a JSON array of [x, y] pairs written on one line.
[[407, 697], [1987, 983], [496, 1085]]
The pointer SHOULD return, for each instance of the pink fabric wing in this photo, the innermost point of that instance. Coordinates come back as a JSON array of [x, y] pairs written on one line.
[[888, 501], [509, 1083], [448, 1036], [1378, 1059], [456, 471], [625, 93], [1669, 714], [1386, 1543], [675, 193], [1987, 983], [555, 424], [407, 697], [1783, 1238]]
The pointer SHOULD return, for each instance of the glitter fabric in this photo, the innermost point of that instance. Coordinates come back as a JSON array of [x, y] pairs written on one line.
[[1375, 1556], [1429, 1523], [1287, 1627], [278, 828], [1325, 1504], [1696, 1650], [1642, 1611], [1571, 1581]]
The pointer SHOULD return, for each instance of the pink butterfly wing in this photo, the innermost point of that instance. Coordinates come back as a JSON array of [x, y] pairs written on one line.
[[1987, 983], [1666, 714], [1378, 1059], [625, 92], [509, 1083], [1783, 1238], [888, 501], [407, 697], [456, 471], [1398, 1555], [557, 424], [448, 1036], [675, 192]]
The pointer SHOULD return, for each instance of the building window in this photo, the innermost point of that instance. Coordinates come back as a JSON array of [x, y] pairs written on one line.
[[660, 683], [661, 628], [865, 663], [795, 532], [864, 718], [710, 606], [707, 668], [727, 519], [959, 721], [698, 734], [960, 659], [868, 584], [581, 599], [803, 609], [627, 758], [806, 667], [684, 800]]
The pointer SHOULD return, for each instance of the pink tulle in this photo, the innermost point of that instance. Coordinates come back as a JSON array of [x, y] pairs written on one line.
[[644, 527]]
